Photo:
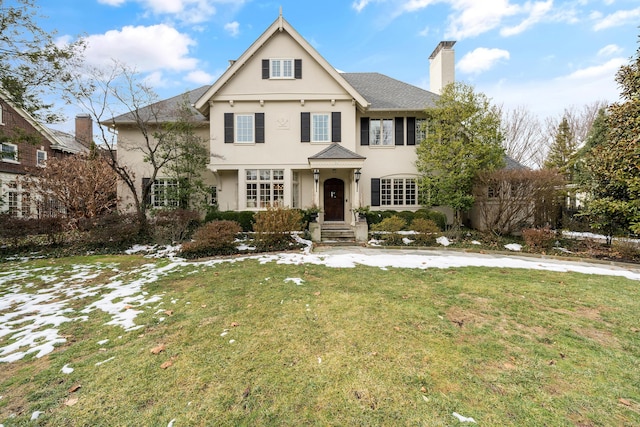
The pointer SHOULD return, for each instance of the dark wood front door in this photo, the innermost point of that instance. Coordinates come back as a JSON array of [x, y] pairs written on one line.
[[334, 200]]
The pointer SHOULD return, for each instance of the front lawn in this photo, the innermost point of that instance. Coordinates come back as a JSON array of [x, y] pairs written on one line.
[[257, 342]]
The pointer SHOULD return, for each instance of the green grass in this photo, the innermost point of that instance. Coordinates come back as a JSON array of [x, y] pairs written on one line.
[[360, 346]]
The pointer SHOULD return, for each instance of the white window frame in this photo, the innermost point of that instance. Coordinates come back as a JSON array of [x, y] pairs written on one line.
[[264, 188], [320, 127], [281, 68], [15, 153], [398, 192], [245, 131], [160, 193], [1, 121], [41, 162], [381, 133]]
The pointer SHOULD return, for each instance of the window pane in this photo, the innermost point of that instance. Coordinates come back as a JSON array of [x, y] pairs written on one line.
[[410, 191], [252, 195], [265, 195], [387, 132], [398, 191], [421, 130], [244, 128], [278, 194], [252, 175], [320, 126], [385, 192], [275, 68], [265, 174], [374, 132], [287, 68], [278, 175]]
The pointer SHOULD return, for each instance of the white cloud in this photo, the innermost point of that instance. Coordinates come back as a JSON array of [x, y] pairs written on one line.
[[413, 5], [473, 18], [536, 12], [112, 2], [616, 19], [200, 77], [360, 4], [156, 80], [188, 11], [481, 59], [424, 32], [157, 47], [609, 68], [233, 28], [609, 50]]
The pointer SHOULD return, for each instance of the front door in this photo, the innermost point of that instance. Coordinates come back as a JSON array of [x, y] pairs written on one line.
[[334, 200]]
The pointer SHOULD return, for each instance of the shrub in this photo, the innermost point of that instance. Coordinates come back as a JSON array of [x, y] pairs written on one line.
[[391, 224], [627, 249], [539, 238], [213, 238], [438, 217], [273, 228], [427, 231], [18, 230], [114, 229], [174, 225], [244, 218]]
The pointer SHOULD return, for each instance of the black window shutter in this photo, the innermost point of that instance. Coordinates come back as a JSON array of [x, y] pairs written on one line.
[[265, 68], [228, 128], [305, 127], [375, 191], [364, 131], [399, 131], [297, 68], [147, 199], [411, 131], [336, 127], [259, 125]]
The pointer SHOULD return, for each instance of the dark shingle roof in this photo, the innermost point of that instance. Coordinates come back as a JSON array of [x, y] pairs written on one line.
[[386, 93], [337, 151], [166, 110], [511, 164]]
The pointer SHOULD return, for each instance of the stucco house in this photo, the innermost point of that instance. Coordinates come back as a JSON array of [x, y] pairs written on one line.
[[285, 128], [27, 144]]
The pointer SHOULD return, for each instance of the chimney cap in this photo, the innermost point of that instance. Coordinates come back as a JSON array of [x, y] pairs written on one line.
[[445, 44], [83, 116]]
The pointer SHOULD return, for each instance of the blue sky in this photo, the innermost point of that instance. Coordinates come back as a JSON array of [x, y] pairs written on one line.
[[544, 54]]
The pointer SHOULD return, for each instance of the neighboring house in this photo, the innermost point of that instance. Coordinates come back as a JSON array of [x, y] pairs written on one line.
[[26, 145], [285, 128]]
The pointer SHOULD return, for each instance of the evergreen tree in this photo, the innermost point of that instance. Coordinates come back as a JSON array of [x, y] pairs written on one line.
[[463, 139], [562, 151]]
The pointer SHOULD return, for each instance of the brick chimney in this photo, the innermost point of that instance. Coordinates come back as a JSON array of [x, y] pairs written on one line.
[[84, 129], [442, 63]]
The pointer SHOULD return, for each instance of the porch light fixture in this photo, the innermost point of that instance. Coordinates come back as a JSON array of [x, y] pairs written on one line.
[[316, 175], [357, 174]]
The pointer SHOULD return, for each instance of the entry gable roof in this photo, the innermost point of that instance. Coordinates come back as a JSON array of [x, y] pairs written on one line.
[[279, 25]]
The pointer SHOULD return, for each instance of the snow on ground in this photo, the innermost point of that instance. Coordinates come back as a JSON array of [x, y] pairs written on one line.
[[29, 318]]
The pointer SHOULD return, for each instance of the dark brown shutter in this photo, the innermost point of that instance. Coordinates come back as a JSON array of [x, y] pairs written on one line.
[[259, 127], [336, 127], [375, 191], [297, 68], [399, 131], [228, 128], [265, 68], [305, 127], [147, 198], [411, 131], [364, 131]]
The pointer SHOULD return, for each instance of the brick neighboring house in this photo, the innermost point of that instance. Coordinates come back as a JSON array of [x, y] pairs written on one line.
[[26, 144]]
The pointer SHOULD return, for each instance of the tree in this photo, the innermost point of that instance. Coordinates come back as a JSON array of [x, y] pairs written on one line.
[[83, 186], [31, 63], [463, 139], [187, 167], [613, 163], [522, 136], [562, 151], [106, 92]]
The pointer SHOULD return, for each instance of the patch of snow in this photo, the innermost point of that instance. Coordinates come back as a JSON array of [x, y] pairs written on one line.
[[297, 280], [513, 247], [464, 419], [105, 361], [442, 240], [103, 342], [66, 369], [407, 241], [36, 415], [171, 423], [232, 341], [475, 242]]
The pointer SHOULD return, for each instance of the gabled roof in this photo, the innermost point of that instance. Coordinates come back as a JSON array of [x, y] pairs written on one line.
[[54, 137], [512, 164], [165, 110], [337, 152], [279, 25], [386, 93]]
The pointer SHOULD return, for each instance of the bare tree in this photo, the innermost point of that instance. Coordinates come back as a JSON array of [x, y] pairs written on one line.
[[119, 97], [522, 136]]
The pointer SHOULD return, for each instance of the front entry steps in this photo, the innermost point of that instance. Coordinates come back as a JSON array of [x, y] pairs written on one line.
[[337, 233]]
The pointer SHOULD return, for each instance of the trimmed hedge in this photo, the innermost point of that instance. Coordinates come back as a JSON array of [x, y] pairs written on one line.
[[375, 217], [244, 218]]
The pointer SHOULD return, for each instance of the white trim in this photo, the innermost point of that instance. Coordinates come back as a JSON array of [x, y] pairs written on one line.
[[16, 159]]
